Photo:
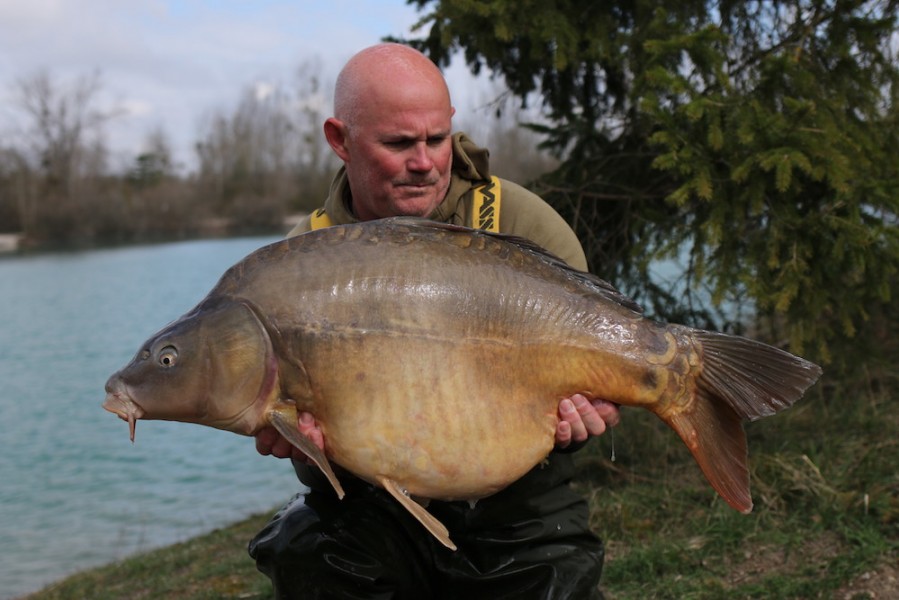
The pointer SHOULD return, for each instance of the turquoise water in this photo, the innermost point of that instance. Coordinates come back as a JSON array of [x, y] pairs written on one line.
[[74, 491]]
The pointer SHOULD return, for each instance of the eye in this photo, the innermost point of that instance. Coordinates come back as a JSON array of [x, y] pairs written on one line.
[[168, 356], [398, 144]]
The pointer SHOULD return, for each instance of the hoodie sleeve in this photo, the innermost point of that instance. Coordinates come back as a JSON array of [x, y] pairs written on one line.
[[527, 215]]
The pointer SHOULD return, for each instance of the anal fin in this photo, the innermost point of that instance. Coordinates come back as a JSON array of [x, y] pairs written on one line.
[[430, 522], [287, 427]]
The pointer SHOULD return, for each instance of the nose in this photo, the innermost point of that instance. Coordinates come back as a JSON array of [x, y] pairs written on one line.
[[420, 161]]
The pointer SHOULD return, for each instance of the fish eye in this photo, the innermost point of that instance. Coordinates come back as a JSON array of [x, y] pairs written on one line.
[[168, 356]]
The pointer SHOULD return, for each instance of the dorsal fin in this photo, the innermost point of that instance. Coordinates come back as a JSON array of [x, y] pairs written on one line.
[[599, 286]]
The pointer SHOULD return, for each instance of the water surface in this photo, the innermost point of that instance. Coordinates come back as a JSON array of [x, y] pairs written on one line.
[[74, 491]]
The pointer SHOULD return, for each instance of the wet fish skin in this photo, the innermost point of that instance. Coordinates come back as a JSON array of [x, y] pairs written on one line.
[[434, 357]]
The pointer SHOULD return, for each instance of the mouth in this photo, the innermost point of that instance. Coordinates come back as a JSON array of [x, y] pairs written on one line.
[[417, 185], [120, 404]]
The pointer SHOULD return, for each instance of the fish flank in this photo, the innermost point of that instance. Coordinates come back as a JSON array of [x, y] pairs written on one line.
[[433, 358]]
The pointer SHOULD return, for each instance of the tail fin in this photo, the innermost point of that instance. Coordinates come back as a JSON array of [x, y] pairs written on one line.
[[741, 379], [755, 379]]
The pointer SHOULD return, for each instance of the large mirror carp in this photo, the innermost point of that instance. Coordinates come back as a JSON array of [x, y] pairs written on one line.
[[433, 358]]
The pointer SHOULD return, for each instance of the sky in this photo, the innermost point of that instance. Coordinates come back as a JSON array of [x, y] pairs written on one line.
[[168, 64]]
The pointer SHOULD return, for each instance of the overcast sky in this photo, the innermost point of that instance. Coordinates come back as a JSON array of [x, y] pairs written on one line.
[[170, 62]]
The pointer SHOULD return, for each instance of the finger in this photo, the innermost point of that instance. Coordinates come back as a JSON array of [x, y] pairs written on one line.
[[563, 434], [305, 422], [607, 411], [283, 449], [265, 439], [568, 412], [309, 428], [591, 422]]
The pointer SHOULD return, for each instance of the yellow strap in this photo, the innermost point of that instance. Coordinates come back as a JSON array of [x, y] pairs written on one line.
[[485, 206], [320, 219]]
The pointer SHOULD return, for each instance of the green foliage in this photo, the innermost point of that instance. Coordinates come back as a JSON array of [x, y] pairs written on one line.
[[149, 169], [755, 142]]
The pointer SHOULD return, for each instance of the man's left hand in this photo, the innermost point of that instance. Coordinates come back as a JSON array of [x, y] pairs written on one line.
[[579, 418]]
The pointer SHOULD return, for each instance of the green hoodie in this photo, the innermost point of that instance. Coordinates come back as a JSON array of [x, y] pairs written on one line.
[[523, 213]]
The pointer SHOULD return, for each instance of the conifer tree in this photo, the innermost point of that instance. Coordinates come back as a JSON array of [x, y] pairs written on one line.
[[756, 141]]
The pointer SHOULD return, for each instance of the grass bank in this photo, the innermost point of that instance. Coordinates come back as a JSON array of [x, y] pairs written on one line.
[[826, 517], [825, 524]]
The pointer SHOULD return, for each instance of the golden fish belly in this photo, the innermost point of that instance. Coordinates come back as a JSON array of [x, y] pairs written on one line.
[[441, 367], [446, 419], [457, 409]]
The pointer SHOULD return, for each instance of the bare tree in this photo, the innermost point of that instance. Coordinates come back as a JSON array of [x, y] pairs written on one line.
[[315, 162], [13, 175], [65, 153], [65, 125], [243, 157], [269, 156]]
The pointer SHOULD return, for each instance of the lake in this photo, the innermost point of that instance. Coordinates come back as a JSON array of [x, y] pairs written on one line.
[[74, 491]]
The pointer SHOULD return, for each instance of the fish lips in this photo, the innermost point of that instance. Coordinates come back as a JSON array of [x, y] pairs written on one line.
[[120, 403]]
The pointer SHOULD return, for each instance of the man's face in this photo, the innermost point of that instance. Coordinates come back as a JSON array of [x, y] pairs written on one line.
[[399, 153]]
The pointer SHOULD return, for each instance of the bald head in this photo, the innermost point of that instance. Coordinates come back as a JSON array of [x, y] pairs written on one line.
[[383, 69], [392, 128]]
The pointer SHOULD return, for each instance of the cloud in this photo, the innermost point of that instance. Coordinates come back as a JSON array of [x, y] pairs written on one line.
[[166, 63]]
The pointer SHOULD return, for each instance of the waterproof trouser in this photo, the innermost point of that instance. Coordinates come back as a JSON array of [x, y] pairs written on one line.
[[368, 546]]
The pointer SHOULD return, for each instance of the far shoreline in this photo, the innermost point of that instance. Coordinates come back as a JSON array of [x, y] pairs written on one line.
[[16, 242]]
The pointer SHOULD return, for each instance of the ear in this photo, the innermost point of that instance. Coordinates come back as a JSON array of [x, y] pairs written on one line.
[[336, 134]]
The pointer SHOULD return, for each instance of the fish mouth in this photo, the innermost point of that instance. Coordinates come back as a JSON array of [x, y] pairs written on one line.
[[121, 404]]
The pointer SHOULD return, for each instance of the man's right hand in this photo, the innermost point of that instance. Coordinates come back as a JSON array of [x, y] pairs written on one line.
[[270, 442]]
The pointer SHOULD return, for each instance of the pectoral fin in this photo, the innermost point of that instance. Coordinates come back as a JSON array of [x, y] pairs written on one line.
[[437, 529], [287, 426]]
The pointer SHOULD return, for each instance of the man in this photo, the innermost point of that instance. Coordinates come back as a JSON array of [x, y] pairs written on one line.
[[392, 130]]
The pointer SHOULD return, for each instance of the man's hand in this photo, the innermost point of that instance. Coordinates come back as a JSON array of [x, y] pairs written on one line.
[[580, 418], [269, 441]]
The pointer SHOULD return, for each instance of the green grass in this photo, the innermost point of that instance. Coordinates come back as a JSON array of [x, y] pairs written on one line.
[[825, 524], [215, 565], [826, 517]]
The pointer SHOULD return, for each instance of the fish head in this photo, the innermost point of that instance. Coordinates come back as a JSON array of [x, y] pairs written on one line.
[[214, 366]]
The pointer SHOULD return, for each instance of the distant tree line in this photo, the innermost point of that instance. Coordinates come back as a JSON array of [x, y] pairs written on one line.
[[255, 164]]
